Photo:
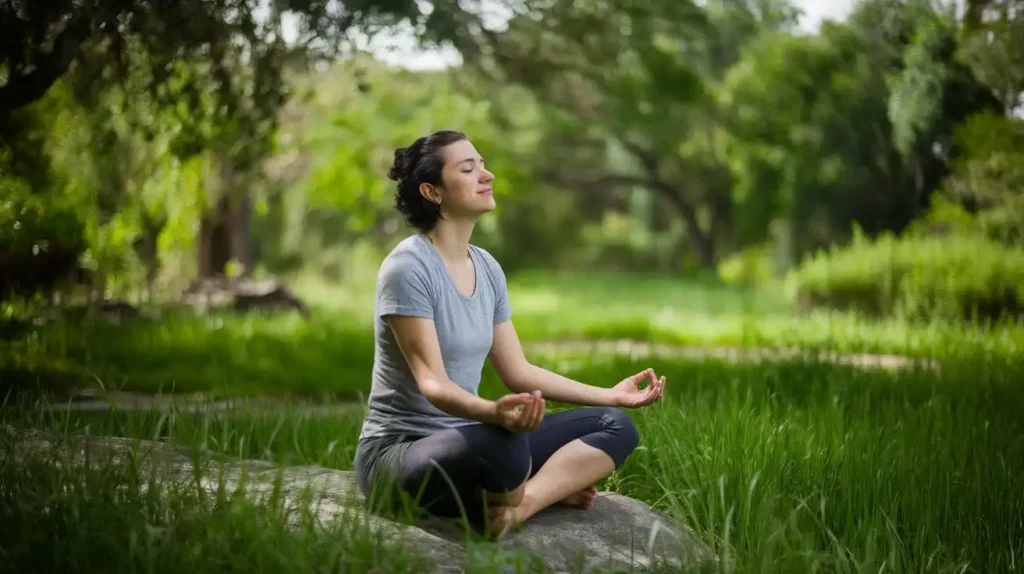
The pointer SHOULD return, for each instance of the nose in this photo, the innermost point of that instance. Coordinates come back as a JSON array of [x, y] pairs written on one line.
[[488, 177]]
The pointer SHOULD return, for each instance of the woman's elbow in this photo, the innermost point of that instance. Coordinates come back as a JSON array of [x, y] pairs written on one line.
[[432, 390]]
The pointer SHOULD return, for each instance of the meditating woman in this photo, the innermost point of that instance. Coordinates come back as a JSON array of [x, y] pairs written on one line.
[[441, 309]]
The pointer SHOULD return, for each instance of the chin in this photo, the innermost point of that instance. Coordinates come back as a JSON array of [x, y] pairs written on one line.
[[489, 205]]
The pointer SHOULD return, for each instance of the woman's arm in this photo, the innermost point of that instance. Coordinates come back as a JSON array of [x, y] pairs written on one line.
[[520, 376], [417, 339]]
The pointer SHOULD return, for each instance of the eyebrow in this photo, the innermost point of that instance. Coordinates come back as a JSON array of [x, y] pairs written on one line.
[[468, 159]]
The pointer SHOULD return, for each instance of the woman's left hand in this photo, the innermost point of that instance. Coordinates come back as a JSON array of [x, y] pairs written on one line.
[[630, 395]]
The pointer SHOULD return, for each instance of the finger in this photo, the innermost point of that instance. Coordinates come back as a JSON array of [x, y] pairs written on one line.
[[656, 387], [512, 401], [538, 410], [650, 395], [652, 392], [526, 414], [638, 378], [525, 421]]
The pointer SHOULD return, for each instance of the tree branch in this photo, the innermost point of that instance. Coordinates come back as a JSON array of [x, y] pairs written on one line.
[[586, 184], [49, 67]]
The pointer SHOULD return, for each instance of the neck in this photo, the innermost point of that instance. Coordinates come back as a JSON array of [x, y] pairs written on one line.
[[451, 237]]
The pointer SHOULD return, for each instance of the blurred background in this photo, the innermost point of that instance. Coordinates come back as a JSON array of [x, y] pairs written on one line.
[[764, 200], [868, 153]]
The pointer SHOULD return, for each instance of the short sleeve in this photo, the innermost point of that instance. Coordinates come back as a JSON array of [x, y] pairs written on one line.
[[502, 307], [403, 288]]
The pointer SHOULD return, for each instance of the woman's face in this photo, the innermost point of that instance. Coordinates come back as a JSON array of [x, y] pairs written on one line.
[[467, 183]]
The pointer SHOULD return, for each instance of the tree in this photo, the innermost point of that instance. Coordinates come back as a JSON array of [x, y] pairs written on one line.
[[854, 125], [930, 95], [626, 86], [210, 72], [993, 46]]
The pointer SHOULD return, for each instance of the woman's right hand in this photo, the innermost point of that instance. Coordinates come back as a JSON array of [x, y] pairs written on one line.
[[520, 412]]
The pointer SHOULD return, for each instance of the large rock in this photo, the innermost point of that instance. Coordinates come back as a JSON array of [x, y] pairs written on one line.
[[617, 534]]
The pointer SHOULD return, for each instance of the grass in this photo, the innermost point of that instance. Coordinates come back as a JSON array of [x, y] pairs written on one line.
[[666, 309], [217, 355], [329, 356], [794, 466], [789, 467], [63, 516]]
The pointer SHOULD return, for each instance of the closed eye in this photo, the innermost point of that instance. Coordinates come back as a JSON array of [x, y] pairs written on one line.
[[469, 165]]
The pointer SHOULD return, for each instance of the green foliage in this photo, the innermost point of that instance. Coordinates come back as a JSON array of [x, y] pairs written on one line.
[[989, 177], [917, 276], [40, 241], [916, 99], [344, 138], [114, 517], [750, 266], [797, 465], [993, 47]]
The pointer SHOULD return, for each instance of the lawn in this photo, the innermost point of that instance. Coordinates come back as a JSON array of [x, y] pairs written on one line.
[[793, 466]]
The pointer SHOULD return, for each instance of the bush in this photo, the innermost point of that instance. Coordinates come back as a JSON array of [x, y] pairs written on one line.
[[952, 276], [749, 266], [39, 243]]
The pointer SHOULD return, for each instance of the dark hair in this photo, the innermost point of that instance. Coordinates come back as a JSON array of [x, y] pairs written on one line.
[[421, 162]]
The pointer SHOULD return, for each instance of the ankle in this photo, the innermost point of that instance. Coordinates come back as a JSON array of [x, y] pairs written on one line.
[[527, 508]]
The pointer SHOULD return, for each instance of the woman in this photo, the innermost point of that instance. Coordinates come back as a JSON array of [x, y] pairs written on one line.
[[442, 308]]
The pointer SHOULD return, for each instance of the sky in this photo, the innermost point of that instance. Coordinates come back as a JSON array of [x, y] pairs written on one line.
[[399, 49]]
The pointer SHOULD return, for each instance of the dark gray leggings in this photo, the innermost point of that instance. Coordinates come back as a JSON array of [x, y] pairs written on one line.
[[443, 472]]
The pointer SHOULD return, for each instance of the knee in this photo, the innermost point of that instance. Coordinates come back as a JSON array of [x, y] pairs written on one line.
[[619, 424], [509, 462]]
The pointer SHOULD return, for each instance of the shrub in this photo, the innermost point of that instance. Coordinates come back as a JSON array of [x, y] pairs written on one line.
[[749, 266], [950, 276], [40, 243]]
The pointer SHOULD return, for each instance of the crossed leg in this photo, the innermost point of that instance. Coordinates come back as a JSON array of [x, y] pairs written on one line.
[[571, 451], [498, 479]]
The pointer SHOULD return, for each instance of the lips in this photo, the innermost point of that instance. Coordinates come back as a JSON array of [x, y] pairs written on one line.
[[487, 191]]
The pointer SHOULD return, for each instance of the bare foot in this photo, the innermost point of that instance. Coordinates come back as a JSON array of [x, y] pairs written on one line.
[[583, 499], [503, 519]]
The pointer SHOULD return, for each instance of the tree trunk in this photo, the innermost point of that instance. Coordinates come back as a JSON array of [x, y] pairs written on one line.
[[215, 236], [147, 250], [701, 242], [241, 232], [703, 245], [225, 232]]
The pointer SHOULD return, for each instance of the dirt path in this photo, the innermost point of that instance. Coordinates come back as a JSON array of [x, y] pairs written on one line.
[[644, 349], [93, 400]]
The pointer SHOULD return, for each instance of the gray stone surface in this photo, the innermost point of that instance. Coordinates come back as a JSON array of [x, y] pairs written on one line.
[[617, 534]]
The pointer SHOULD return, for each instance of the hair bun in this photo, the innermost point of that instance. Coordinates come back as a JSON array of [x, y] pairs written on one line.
[[398, 168]]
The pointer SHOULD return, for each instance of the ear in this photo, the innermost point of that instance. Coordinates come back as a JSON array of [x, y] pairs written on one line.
[[431, 193]]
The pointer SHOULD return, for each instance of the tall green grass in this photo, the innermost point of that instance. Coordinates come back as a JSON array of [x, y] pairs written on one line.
[[330, 355], [216, 355], [791, 466], [799, 466], [60, 515]]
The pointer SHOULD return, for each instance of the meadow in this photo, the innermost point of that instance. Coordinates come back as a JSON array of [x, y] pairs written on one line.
[[796, 465]]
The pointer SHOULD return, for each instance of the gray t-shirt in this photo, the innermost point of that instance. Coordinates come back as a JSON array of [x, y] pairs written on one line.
[[414, 281]]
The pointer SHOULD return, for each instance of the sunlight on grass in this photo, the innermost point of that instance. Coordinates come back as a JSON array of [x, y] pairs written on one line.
[[792, 465], [780, 467], [684, 311]]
